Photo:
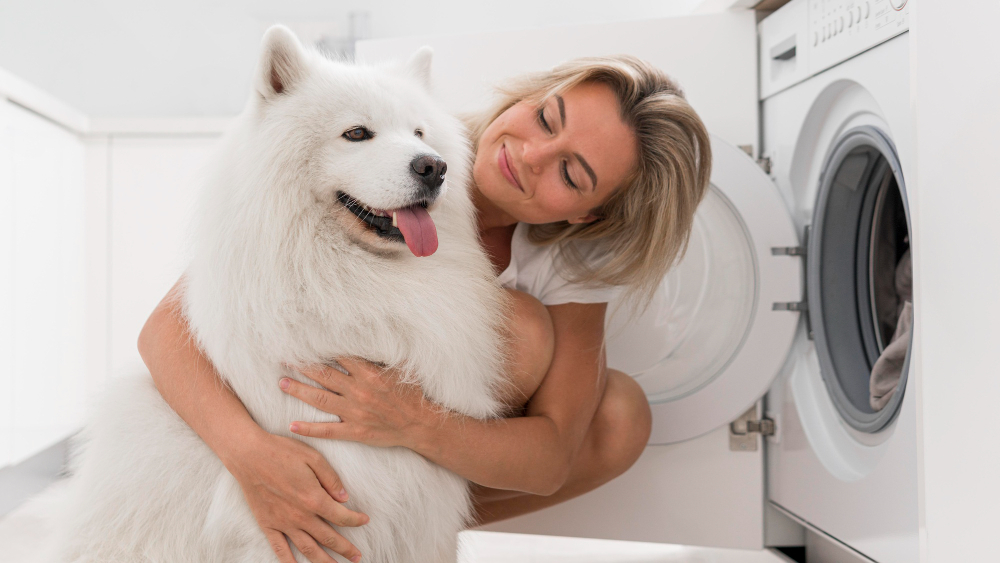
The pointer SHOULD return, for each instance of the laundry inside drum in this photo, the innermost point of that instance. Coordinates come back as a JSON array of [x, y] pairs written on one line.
[[890, 279], [700, 315], [860, 281]]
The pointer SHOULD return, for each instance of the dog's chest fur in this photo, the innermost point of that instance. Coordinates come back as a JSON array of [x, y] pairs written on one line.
[[270, 287]]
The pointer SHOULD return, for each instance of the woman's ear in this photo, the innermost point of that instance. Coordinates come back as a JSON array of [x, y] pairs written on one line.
[[588, 218]]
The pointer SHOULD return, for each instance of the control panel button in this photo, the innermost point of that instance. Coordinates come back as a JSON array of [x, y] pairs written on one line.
[[858, 10], [868, 9], [840, 24]]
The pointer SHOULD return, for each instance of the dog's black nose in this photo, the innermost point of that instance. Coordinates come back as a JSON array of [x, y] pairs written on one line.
[[430, 170]]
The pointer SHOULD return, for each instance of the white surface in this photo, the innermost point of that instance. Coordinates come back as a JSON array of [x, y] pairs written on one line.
[[154, 182], [20, 91], [44, 282], [718, 75], [189, 58], [861, 490], [98, 296], [956, 73], [491, 547], [696, 492]]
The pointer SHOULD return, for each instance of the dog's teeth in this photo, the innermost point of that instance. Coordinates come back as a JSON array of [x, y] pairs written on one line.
[[394, 219]]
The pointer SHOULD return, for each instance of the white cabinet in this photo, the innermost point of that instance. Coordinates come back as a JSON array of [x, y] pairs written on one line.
[[92, 235], [154, 180], [42, 282]]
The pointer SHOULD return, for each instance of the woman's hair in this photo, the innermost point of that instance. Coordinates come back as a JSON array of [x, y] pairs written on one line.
[[644, 225]]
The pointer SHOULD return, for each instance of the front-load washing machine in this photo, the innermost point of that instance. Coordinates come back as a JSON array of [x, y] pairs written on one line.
[[729, 317], [837, 131]]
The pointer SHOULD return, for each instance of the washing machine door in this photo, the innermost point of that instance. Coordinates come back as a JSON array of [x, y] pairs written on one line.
[[719, 327]]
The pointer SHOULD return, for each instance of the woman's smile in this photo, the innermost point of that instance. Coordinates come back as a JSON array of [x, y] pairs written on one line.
[[506, 169], [564, 154]]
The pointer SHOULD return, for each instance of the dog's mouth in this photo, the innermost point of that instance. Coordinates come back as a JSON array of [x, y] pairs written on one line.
[[411, 225]]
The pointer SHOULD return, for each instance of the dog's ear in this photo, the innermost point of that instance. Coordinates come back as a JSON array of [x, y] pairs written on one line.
[[419, 66], [282, 62]]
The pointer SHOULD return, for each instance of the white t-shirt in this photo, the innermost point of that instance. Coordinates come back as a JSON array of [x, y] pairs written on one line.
[[533, 270]]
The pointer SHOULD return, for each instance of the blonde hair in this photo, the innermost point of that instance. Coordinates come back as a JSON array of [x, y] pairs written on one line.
[[645, 224]]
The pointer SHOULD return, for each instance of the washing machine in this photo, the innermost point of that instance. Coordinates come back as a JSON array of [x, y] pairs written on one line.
[[838, 134], [735, 317]]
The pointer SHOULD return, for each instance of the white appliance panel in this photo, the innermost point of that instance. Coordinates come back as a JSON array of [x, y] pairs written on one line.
[[859, 489], [806, 37]]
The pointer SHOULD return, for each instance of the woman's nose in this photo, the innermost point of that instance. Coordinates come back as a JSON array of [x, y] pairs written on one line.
[[537, 153]]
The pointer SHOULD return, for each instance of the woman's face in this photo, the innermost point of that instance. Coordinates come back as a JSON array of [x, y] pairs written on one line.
[[558, 161]]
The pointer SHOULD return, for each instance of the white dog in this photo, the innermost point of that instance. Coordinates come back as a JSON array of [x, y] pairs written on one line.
[[326, 229]]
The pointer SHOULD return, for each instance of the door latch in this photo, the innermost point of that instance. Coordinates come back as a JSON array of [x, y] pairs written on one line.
[[744, 430]]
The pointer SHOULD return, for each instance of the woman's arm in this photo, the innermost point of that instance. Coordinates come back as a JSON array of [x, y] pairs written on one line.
[[531, 454], [287, 484]]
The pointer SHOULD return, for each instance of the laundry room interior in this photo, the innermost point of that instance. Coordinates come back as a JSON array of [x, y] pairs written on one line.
[[819, 364]]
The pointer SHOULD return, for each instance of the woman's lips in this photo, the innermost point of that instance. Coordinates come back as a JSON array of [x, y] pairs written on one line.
[[505, 168]]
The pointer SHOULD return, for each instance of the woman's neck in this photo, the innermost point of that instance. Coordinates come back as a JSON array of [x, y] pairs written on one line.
[[488, 215]]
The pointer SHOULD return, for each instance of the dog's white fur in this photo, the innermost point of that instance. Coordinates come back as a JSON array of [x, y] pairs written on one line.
[[283, 274]]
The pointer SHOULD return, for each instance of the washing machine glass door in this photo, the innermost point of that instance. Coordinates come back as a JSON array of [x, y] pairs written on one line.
[[717, 330]]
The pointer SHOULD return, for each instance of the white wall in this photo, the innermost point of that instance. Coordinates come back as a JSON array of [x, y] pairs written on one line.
[[956, 78], [142, 58]]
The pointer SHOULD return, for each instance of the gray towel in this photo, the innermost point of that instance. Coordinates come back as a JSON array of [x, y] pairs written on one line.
[[889, 366]]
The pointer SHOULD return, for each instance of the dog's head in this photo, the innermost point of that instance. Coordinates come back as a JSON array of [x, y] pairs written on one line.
[[367, 142]]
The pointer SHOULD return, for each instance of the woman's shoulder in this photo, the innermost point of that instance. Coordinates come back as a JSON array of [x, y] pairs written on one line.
[[541, 270]]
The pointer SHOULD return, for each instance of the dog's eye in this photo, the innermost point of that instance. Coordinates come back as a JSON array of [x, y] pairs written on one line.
[[358, 134], [419, 133]]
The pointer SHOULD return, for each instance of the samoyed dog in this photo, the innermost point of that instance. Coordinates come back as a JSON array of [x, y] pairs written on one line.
[[335, 222]]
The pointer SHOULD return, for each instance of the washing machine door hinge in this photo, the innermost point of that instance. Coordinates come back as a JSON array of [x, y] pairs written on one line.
[[744, 430], [796, 306]]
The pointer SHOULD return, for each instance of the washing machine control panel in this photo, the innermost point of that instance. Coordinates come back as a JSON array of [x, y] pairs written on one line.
[[806, 37], [840, 29]]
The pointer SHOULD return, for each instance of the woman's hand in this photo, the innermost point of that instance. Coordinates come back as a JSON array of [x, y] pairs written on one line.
[[292, 491], [375, 408]]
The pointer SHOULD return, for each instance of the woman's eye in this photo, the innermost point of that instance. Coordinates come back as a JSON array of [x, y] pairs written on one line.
[[541, 120], [565, 175], [358, 134]]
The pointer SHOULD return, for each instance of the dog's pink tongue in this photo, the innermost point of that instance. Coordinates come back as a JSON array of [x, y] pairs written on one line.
[[418, 229]]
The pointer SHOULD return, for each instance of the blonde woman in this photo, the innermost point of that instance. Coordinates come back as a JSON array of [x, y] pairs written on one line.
[[585, 180]]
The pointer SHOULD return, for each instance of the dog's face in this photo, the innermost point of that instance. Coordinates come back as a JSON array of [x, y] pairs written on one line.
[[366, 142]]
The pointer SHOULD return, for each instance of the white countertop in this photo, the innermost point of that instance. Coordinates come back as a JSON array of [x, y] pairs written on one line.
[[494, 547]]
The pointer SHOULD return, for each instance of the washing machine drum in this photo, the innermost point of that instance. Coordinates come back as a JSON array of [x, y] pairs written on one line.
[[859, 280]]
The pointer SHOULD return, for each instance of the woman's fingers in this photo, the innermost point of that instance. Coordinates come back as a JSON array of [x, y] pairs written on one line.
[[325, 535], [279, 544], [325, 430], [340, 515], [327, 477], [322, 399], [308, 546], [327, 376], [358, 367]]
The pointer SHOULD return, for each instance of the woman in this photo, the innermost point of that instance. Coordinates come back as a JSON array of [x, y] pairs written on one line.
[[585, 180]]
